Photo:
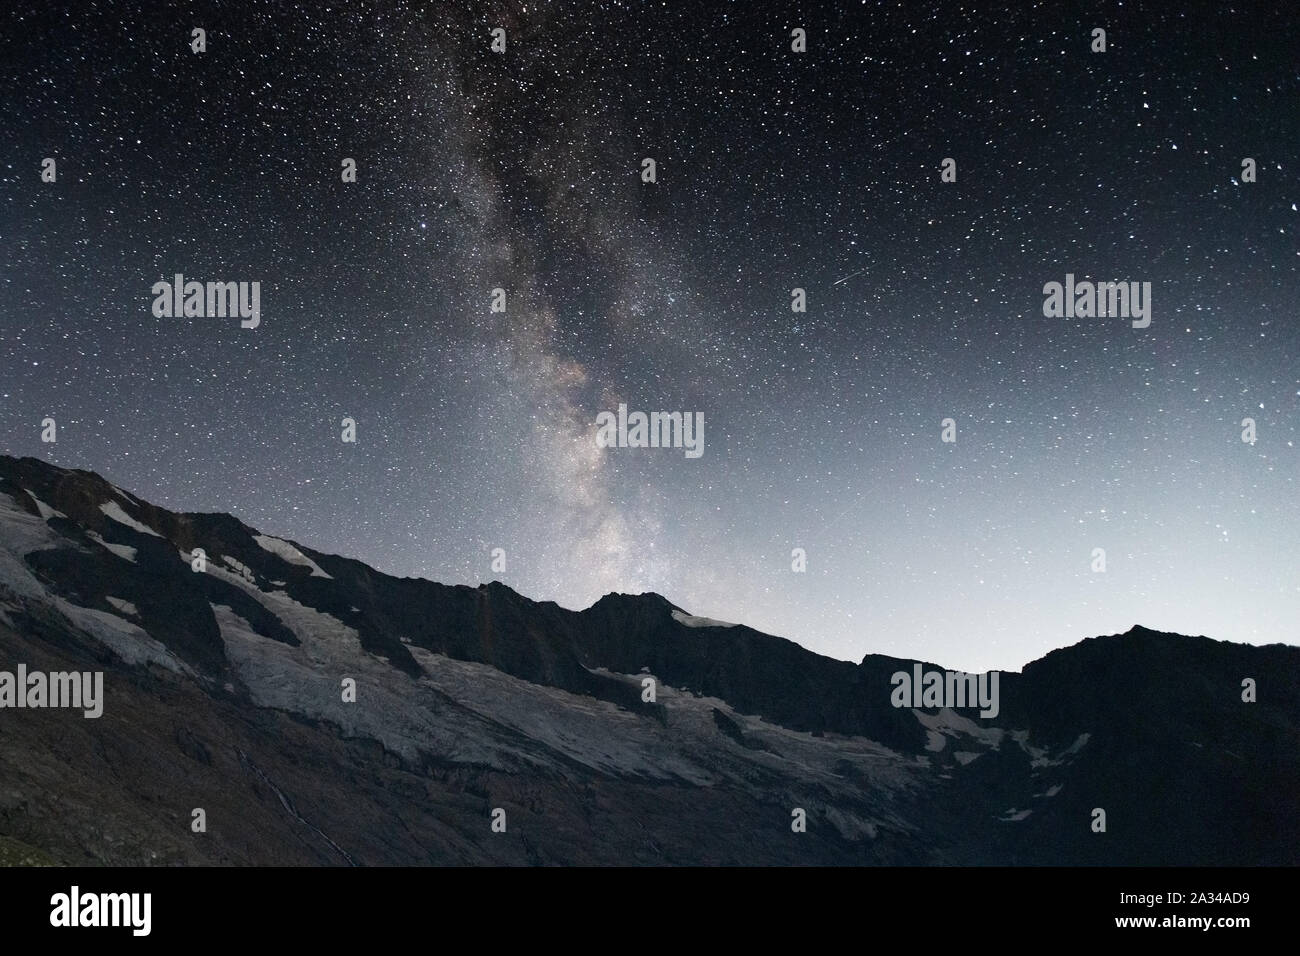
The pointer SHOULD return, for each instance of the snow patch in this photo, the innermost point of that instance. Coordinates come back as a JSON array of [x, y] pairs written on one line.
[[126, 607], [114, 511], [1038, 755], [950, 723], [125, 639], [119, 491], [690, 620], [1078, 745], [46, 511], [126, 552], [1074, 748], [289, 553], [306, 680], [21, 533], [243, 570]]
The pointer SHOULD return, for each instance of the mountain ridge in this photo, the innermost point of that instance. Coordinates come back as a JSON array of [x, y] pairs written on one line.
[[25, 462], [477, 696]]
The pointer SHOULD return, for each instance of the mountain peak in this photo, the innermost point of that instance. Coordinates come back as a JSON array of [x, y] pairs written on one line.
[[473, 691], [647, 598]]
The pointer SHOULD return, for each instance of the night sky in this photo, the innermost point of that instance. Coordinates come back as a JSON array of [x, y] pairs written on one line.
[[775, 170]]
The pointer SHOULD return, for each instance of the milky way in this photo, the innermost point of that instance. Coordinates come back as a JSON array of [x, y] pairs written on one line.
[[776, 170]]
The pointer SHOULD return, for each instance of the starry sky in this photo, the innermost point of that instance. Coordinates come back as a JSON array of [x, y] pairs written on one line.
[[775, 170]]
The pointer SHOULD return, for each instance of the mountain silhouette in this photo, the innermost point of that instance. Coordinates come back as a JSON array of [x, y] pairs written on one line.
[[224, 691]]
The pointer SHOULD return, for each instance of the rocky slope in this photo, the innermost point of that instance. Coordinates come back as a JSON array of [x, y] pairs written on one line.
[[223, 691]]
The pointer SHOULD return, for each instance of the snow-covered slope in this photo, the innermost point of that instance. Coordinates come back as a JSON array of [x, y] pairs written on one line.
[[338, 715]]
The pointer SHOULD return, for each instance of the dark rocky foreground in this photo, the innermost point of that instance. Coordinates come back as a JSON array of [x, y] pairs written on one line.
[[222, 691]]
